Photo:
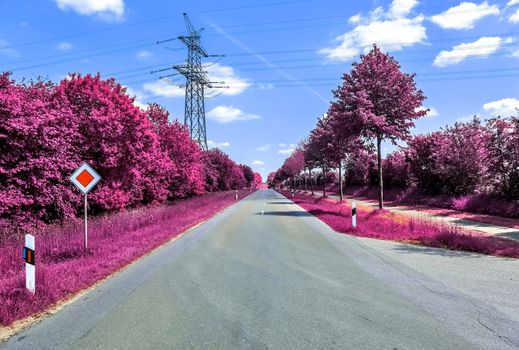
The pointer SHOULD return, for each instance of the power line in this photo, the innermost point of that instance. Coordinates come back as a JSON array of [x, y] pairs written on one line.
[[147, 41], [269, 4], [86, 32]]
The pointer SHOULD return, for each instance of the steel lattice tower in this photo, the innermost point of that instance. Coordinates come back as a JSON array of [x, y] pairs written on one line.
[[196, 81]]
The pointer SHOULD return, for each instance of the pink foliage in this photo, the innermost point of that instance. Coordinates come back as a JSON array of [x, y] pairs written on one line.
[[185, 174], [117, 139], [221, 173], [35, 156]]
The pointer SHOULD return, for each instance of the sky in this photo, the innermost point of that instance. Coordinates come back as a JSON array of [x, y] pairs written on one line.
[[282, 59]]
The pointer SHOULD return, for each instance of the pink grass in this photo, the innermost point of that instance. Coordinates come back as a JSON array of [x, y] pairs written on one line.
[[382, 224], [63, 268]]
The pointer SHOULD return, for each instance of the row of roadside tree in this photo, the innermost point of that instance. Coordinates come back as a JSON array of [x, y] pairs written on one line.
[[473, 161]]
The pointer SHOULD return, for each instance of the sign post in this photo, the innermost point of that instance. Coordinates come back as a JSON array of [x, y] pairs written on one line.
[[85, 178], [30, 271], [353, 214]]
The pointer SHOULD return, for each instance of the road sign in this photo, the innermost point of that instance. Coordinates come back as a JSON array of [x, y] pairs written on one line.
[[85, 178], [30, 271]]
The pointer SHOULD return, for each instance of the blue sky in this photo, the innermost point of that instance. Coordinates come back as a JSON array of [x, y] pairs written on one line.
[[282, 58]]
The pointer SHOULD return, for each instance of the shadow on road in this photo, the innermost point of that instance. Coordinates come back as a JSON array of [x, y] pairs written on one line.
[[293, 213], [287, 202], [406, 248]]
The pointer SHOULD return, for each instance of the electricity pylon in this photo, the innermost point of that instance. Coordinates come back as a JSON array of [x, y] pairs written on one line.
[[196, 81]]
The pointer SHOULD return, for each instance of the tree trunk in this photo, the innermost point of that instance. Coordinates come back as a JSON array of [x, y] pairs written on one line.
[[306, 185], [311, 181], [380, 179], [340, 181], [324, 183]]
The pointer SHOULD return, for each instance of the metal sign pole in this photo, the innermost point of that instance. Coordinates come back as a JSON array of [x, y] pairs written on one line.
[[86, 223]]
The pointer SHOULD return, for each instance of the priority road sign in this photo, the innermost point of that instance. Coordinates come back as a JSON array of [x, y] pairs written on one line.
[[85, 178]]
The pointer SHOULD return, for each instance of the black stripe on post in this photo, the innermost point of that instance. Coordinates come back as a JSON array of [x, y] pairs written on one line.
[[28, 255], [353, 211]]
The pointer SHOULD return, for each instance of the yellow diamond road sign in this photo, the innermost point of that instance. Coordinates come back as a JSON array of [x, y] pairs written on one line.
[[85, 178]]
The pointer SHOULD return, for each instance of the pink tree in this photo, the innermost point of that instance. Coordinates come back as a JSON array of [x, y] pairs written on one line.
[[385, 101], [185, 174], [257, 180], [36, 157], [117, 139]]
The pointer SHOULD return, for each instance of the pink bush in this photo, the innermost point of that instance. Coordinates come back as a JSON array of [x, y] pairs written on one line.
[[36, 157], [185, 174], [117, 139], [221, 172]]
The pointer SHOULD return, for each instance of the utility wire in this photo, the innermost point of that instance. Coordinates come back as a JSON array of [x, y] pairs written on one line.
[[29, 43]]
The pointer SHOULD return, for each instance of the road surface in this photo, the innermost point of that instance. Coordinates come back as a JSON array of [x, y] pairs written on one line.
[[264, 274]]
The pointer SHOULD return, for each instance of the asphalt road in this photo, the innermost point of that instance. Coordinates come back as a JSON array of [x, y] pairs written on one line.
[[264, 274]]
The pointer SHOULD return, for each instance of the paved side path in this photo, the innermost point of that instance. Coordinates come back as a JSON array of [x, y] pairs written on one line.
[[265, 274], [495, 230]]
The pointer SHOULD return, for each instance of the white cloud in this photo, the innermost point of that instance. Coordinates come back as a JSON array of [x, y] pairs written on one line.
[[227, 114], [64, 46], [504, 107], [515, 53], [107, 9], [400, 8], [464, 15], [433, 112], [258, 162], [144, 55], [512, 2], [214, 144], [355, 19], [164, 89], [288, 149], [392, 30], [226, 74], [138, 95], [263, 148], [482, 47], [515, 17]]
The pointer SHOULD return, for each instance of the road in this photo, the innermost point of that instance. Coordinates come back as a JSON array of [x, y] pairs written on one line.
[[264, 274]]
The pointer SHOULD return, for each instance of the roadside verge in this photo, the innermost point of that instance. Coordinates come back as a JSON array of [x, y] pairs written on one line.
[[386, 225]]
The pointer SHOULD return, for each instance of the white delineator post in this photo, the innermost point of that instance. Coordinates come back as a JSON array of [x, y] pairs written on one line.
[[353, 214], [30, 271], [236, 194]]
